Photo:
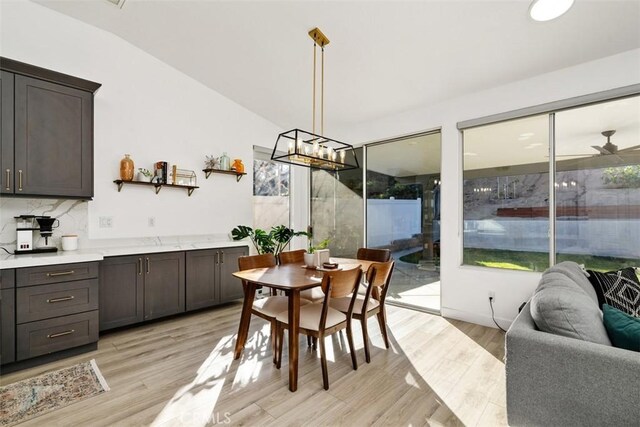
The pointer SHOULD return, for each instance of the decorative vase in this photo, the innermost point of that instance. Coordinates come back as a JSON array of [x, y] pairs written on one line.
[[126, 168], [310, 260], [224, 162], [238, 166]]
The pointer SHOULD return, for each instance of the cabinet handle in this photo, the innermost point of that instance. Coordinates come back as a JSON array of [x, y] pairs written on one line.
[[221, 257], [148, 268], [8, 187], [62, 273], [139, 266], [61, 334], [52, 300], [19, 179]]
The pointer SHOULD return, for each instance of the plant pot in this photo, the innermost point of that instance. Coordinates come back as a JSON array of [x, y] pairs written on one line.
[[310, 260], [142, 177]]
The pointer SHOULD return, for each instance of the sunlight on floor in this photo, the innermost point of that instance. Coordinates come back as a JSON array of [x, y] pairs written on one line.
[[194, 403]]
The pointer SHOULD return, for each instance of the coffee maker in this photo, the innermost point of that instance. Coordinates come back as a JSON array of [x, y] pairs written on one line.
[[26, 225]]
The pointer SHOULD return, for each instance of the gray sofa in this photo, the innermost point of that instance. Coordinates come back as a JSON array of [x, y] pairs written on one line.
[[573, 376]]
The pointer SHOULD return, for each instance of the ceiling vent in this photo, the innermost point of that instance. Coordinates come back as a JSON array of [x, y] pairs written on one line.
[[118, 3]]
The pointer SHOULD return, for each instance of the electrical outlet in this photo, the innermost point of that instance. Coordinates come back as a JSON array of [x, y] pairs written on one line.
[[106, 222], [492, 295], [151, 221]]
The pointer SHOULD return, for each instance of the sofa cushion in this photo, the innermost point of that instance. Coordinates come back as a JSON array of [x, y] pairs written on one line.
[[560, 306], [619, 289], [578, 274], [623, 329]]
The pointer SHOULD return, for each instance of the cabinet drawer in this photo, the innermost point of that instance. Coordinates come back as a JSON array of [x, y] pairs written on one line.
[[47, 336], [58, 299], [7, 279], [56, 273]]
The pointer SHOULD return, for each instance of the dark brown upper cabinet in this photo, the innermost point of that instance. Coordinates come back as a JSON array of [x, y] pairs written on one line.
[[47, 132]]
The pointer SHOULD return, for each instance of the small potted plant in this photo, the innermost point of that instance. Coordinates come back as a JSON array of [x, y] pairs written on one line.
[[311, 258], [144, 175]]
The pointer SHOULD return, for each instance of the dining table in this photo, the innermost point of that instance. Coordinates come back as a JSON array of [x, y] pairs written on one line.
[[292, 279]]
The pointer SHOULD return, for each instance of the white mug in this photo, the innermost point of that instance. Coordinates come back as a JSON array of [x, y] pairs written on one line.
[[69, 242]]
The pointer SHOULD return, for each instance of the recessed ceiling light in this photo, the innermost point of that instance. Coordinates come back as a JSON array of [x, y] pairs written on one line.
[[546, 10]]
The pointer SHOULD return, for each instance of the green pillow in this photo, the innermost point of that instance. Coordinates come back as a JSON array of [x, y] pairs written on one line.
[[623, 329]]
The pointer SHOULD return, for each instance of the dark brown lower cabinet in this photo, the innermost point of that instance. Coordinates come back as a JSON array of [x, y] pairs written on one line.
[[121, 291], [164, 285], [7, 326], [141, 287], [210, 278], [202, 269], [230, 286]]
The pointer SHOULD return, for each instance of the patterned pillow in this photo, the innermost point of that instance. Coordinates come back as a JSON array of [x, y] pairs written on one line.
[[619, 289]]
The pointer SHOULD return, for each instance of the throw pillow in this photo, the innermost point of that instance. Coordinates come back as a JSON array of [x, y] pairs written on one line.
[[619, 289], [623, 330]]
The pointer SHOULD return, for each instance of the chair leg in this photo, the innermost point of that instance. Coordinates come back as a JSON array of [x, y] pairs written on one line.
[[382, 321], [274, 340], [323, 362], [280, 341], [352, 348], [315, 342], [309, 342], [365, 337]]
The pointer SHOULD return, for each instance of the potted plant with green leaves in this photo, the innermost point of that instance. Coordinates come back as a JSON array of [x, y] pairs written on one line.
[[311, 258], [272, 242], [144, 175]]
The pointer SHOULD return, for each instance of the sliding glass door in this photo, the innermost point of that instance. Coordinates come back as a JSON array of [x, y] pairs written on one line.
[[403, 215], [337, 210]]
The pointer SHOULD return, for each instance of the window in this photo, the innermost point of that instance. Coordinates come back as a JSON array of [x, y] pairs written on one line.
[[506, 194], [598, 184], [270, 191], [595, 201]]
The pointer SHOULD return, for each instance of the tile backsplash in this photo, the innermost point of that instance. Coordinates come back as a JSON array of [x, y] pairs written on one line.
[[74, 219], [72, 215]]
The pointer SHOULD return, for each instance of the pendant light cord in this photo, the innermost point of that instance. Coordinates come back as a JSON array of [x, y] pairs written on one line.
[[322, 92], [314, 87]]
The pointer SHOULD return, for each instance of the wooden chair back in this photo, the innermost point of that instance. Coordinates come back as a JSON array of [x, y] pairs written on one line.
[[378, 278], [256, 261], [379, 274], [338, 284], [292, 257], [377, 255]]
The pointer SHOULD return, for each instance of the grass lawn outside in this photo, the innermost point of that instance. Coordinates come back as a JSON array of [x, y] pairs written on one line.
[[539, 261], [531, 261]]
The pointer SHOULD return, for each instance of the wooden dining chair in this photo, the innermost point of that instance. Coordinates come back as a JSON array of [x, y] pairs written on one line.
[[297, 257], [268, 307], [371, 303], [377, 255], [292, 257], [321, 320]]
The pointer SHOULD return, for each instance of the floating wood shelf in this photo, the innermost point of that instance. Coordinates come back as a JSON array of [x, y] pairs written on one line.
[[238, 175], [157, 186]]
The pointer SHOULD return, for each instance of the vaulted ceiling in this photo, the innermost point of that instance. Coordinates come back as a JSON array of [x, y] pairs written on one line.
[[385, 57]]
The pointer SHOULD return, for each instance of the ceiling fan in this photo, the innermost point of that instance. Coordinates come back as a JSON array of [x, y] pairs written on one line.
[[607, 149]]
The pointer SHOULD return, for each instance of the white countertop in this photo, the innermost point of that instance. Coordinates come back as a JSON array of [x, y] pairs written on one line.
[[97, 254]]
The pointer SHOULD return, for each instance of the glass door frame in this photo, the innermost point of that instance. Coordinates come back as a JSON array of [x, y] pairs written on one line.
[[364, 164]]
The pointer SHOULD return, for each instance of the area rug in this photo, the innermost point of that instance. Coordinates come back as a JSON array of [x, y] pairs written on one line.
[[35, 396]]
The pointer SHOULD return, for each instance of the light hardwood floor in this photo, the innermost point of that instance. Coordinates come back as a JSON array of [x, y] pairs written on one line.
[[181, 372]]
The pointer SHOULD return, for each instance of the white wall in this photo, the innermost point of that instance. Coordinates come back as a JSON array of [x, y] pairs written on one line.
[[465, 289], [152, 111]]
